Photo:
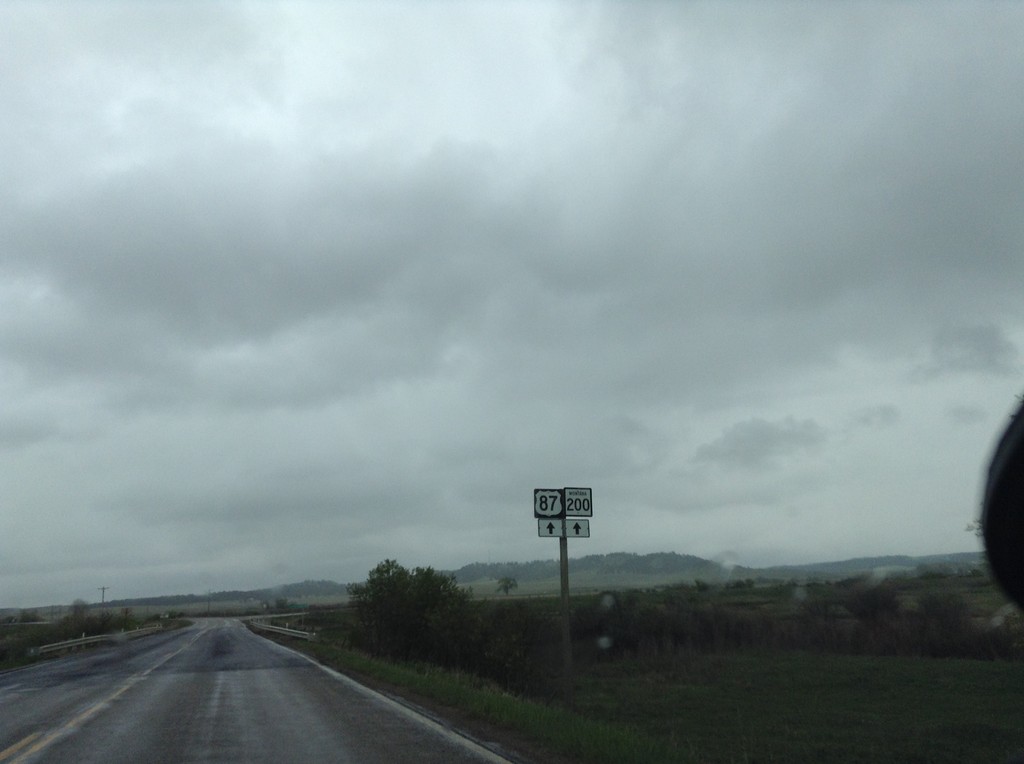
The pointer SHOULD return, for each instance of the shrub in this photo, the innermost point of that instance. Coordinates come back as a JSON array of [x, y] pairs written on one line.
[[873, 604], [412, 615], [515, 646], [946, 628]]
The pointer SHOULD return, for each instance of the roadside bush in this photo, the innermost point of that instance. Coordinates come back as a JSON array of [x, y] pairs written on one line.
[[634, 626], [423, 615], [946, 628], [515, 646], [857, 619], [873, 603], [412, 615], [81, 622], [821, 623]]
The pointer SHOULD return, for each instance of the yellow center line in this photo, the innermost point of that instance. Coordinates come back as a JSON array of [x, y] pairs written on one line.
[[84, 715], [11, 750], [70, 725]]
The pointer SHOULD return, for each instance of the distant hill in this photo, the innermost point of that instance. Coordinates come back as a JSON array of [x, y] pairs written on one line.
[[893, 564], [620, 570], [663, 568], [617, 565], [292, 592]]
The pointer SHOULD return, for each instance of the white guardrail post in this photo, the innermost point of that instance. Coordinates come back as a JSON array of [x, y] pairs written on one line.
[[257, 623]]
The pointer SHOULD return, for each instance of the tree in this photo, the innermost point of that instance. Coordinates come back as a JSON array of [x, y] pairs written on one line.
[[381, 603], [79, 612], [419, 614], [873, 603], [80, 622], [507, 584]]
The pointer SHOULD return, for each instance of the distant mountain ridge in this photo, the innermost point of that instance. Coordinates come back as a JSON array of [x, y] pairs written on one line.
[[618, 568], [657, 563], [300, 590], [685, 566], [892, 563]]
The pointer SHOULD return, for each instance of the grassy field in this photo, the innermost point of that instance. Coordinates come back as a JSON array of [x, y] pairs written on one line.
[[661, 702], [743, 707], [785, 707]]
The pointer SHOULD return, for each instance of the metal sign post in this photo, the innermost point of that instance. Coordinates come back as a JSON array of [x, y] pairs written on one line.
[[563, 570], [556, 511]]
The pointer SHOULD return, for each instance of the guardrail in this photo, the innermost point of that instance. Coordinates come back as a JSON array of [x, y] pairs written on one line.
[[113, 637], [309, 635]]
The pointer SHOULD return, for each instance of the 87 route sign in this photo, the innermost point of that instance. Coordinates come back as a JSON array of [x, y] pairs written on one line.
[[548, 503]]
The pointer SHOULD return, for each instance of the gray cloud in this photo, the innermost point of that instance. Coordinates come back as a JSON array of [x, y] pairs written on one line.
[[885, 415], [966, 415], [980, 349], [757, 443]]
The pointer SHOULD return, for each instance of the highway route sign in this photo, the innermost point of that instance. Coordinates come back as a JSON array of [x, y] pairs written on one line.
[[577, 529], [552, 528], [570, 528], [548, 503], [579, 502]]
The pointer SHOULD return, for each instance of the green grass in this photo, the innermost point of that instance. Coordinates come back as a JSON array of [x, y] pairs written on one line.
[[789, 707], [554, 728]]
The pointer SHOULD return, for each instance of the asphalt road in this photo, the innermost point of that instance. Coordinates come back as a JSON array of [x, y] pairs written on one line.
[[213, 692]]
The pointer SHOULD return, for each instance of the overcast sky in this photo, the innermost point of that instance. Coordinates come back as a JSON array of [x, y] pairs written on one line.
[[289, 289]]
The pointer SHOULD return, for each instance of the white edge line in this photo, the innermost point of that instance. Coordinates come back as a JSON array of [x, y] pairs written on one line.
[[448, 733]]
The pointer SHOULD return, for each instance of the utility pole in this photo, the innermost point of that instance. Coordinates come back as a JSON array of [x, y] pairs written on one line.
[[103, 594]]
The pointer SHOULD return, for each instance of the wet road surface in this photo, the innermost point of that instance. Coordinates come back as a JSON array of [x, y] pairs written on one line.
[[212, 692]]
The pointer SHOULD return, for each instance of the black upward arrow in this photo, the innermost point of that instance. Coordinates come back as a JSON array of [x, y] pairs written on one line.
[[576, 528], [551, 528]]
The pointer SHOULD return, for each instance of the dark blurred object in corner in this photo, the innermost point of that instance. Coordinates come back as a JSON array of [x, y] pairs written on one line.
[[1002, 514]]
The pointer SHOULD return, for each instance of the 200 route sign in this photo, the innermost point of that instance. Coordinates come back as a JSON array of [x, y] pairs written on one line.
[[578, 502]]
